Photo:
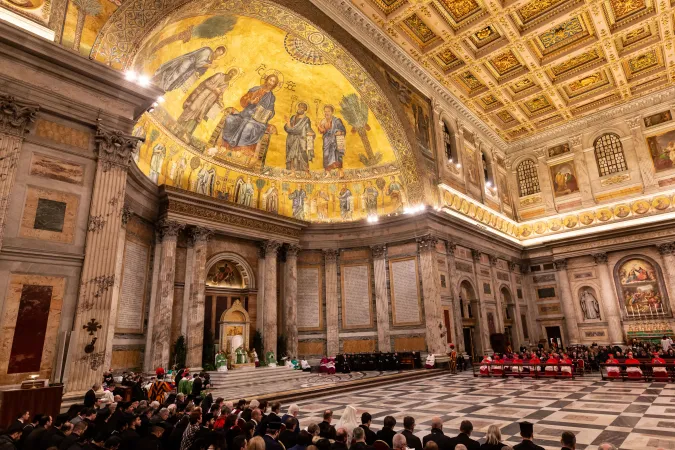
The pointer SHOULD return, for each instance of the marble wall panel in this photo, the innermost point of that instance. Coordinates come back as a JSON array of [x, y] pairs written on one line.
[[21, 289], [127, 359], [404, 249], [63, 134], [311, 348], [409, 344], [49, 215], [56, 169], [359, 345]]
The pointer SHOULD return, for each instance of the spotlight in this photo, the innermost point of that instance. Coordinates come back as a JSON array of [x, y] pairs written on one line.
[[161, 99], [373, 218], [151, 109], [488, 184], [458, 165], [143, 81], [450, 160], [130, 75]]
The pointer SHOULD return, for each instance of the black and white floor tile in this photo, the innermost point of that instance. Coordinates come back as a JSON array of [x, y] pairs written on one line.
[[630, 415]]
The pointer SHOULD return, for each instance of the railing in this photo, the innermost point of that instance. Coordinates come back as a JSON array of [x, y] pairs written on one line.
[[526, 370], [646, 371]]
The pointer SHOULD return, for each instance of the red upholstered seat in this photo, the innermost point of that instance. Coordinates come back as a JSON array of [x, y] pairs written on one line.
[[380, 445]]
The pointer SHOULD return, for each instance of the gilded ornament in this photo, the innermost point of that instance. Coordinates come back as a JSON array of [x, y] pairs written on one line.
[[525, 230], [587, 217], [484, 33], [575, 62], [604, 214], [643, 61], [623, 8], [555, 224], [419, 29], [540, 227], [621, 211], [585, 82], [465, 206], [640, 207], [570, 221], [536, 8], [660, 202], [505, 62], [479, 214], [565, 31], [472, 210], [457, 202], [460, 9]]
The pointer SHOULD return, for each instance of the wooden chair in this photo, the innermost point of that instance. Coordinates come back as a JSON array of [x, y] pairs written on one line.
[[380, 445]]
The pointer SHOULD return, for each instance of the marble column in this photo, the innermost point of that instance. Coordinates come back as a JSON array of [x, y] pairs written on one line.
[[667, 252], [456, 307], [291, 300], [567, 302], [195, 330], [15, 117], [483, 328], [161, 334], [520, 336], [156, 259], [114, 304], [497, 294], [610, 304], [270, 333], [530, 299], [95, 301], [332, 333], [260, 299], [431, 294], [189, 263], [379, 253]]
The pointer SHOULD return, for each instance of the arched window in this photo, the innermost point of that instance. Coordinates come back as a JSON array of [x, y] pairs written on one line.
[[609, 154], [528, 179], [449, 145]]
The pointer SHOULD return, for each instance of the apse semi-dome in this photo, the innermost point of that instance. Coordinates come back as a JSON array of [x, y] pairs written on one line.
[[269, 115]]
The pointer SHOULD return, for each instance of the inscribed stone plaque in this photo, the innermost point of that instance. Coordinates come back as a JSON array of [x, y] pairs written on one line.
[[404, 285], [49, 215], [356, 311], [134, 281], [309, 299]]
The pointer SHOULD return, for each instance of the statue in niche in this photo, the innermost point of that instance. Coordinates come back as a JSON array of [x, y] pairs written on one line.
[[589, 305]]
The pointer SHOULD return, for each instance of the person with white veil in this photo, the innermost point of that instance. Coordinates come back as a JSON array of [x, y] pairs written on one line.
[[348, 421]]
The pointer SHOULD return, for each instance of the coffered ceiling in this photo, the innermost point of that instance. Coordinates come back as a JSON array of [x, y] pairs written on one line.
[[527, 65]]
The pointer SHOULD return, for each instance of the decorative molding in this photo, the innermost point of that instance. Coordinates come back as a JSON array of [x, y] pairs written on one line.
[[634, 122], [199, 234], [560, 264], [114, 148], [292, 250], [524, 268], [513, 266], [450, 247], [126, 215], [271, 247], [15, 115], [600, 258], [427, 242], [493, 260], [575, 141], [379, 251], [475, 254]]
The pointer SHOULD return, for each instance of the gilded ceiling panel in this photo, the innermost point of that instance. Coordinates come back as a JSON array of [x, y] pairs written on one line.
[[555, 59]]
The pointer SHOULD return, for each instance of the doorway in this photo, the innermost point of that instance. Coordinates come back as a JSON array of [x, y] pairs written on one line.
[[468, 342], [554, 337], [448, 325]]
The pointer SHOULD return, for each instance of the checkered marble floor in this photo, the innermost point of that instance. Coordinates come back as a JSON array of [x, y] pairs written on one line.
[[632, 416]]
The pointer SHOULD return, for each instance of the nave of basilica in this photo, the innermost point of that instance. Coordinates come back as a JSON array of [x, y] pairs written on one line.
[[244, 183]]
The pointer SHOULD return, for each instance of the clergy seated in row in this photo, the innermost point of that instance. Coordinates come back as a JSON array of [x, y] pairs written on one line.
[[660, 373], [485, 366], [497, 367], [633, 367], [612, 371], [430, 362], [327, 365], [342, 364]]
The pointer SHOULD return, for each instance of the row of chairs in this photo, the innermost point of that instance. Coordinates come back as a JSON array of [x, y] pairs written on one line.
[[527, 370], [647, 372]]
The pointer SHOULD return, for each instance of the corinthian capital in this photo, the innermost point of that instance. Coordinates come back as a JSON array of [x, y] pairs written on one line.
[[292, 250], [271, 248], [475, 254], [15, 115], [169, 229], [330, 254], [600, 258], [379, 251], [560, 264], [115, 148], [666, 249], [199, 234], [450, 248], [427, 242]]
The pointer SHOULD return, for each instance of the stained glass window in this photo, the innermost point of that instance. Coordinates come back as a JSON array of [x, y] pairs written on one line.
[[609, 154], [528, 179]]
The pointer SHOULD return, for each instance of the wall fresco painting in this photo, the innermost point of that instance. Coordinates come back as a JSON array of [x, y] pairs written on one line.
[[564, 178], [640, 284], [258, 116], [662, 149]]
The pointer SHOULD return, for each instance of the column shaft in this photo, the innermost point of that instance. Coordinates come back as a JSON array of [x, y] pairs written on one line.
[[456, 307], [567, 302], [291, 300], [332, 336], [497, 294], [195, 329], [435, 330], [611, 307], [161, 334], [14, 118], [528, 293], [154, 290], [667, 252], [270, 301], [519, 337], [483, 328], [93, 317], [379, 253]]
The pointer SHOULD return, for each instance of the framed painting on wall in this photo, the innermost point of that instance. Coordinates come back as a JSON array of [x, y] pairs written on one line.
[[662, 150], [564, 178]]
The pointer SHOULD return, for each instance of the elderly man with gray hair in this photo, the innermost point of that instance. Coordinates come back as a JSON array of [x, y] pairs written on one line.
[[400, 442], [359, 436], [606, 446]]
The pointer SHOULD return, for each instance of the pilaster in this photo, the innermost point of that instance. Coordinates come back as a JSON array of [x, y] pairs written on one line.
[[291, 300], [435, 331], [456, 307], [15, 118], [483, 328], [667, 252], [520, 335], [498, 299], [195, 331], [93, 316], [644, 158], [332, 335], [379, 253]]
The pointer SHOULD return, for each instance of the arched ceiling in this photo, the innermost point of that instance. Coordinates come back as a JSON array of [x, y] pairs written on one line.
[[264, 109]]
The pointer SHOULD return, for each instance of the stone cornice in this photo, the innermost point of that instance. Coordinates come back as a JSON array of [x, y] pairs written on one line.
[[15, 116], [360, 26]]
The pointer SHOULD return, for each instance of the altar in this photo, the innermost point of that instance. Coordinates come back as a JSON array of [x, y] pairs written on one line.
[[235, 330]]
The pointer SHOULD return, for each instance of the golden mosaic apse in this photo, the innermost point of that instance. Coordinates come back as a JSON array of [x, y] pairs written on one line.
[[525, 66]]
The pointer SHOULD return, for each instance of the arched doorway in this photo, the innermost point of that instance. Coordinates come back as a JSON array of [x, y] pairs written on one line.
[[235, 330], [470, 319], [230, 286], [509, 313]]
